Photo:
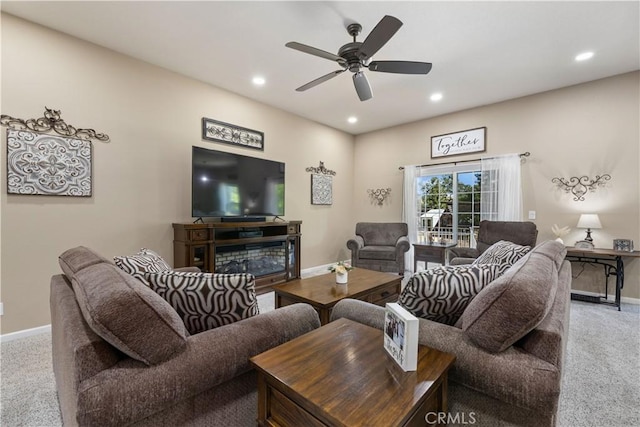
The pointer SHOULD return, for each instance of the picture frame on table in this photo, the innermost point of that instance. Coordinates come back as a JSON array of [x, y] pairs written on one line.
[[401, 336], [625, 245]]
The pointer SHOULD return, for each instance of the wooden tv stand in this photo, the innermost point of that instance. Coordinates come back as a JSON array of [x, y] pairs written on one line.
[[268, 250]]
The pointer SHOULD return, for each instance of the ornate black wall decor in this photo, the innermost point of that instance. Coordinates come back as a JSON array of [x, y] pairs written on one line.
[[52, 122], [321, 185], [579, 186], [214, 130]]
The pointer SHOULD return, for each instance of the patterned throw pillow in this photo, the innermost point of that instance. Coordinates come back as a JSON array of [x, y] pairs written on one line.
[[503, 253], [145, 261], [442, 294], [205, 300]]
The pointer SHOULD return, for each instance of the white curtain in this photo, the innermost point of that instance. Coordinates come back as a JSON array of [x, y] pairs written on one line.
[[409, 211], [501, 189]]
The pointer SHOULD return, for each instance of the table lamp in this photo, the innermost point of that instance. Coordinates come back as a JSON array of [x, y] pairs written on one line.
[[589, 221]]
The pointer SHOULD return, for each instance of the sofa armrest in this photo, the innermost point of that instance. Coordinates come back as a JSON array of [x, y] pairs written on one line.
[[132, 390], [513, 376], [461, 261], [463, 253], [187, 269], [403, 244]]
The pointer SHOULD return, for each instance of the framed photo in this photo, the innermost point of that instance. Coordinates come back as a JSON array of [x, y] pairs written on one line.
[[214, 130], [401, 336], [584, 244], [49, 165], [462, 142], [623, 245], [321, 189]]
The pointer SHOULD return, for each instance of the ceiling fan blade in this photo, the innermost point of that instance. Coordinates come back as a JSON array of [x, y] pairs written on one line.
[[401, 67], [314, 51], [379, 36], [362, 86], [320, 80]]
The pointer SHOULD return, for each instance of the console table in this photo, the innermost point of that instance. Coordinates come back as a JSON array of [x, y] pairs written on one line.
[[216, 247], [430, 252], [613, 262]]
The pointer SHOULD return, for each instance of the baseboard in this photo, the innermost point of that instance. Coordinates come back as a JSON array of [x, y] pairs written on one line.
[[320, 269], [25, 333], [626, 300]]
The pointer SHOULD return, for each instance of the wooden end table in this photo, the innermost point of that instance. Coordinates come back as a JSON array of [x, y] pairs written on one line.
[[430, 252], [322, 293], [340, 375]]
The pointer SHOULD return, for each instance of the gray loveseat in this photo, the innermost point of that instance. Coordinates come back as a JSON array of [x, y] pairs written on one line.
[[509, 343], [152, 372], [379, 246]]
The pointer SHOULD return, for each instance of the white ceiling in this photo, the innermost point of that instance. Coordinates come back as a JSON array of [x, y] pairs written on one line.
[[482, 52]]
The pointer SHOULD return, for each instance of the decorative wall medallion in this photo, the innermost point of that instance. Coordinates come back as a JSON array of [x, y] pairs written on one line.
[[378, 195], [321, 189], [579, 186], [49, 165], [214, 130]]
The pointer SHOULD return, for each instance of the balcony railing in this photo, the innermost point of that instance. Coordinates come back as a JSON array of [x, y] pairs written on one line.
[[466, 236]]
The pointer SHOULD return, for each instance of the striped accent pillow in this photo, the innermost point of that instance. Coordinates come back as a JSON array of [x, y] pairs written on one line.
[[205, 300], [503, 253], [442, 294], [145, 261]]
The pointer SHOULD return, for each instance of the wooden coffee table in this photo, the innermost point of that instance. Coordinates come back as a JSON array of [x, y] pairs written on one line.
[[340, 375], [322, 293]]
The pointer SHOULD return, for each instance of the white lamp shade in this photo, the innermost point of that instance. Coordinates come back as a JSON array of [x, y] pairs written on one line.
[[589, 221]]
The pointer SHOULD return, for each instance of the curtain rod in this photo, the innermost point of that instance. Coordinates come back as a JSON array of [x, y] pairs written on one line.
[[525, 154]]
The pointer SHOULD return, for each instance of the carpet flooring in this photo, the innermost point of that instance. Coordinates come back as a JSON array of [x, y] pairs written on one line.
[[601, 379]]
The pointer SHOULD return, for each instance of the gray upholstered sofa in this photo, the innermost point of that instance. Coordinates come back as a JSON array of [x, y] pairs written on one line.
[[509, 343], [379, 246], [523, 233], [151, 371]]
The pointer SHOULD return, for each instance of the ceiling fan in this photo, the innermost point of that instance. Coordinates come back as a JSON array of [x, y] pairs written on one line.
[[355, 56]]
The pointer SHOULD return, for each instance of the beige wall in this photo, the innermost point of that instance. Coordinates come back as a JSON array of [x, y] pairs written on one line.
[[142, 177], [588, 129]]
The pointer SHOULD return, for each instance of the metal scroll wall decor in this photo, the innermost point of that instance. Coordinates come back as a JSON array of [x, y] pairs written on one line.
[[579, 186], [321, 185], [45, 164], [379, 195], [214, 130]]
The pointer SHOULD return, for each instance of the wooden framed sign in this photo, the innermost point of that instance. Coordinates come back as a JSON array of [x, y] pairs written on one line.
[[463, 142]]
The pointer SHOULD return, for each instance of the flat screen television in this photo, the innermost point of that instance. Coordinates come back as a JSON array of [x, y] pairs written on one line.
[[231, 185]]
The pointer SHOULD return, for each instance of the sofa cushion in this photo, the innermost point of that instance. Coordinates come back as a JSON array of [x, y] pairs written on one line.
[[128, 314], [442, 294], [502, 253], [515, 303], [75, 259], [205, 300], [378, 252], [145, 261]]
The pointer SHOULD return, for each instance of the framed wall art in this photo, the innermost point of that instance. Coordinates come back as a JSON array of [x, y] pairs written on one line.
[[457, 143], [321, 189], [214, 130], [49, 165], [47, 156]]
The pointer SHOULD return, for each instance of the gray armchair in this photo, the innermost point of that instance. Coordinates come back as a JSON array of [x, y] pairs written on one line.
[[380, 246], [522, 233]]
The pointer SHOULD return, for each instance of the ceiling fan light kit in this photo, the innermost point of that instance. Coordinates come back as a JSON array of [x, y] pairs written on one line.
[[356, 55]]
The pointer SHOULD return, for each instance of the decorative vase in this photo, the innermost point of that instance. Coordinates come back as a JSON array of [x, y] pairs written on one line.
[[342, 278], [559, 240]]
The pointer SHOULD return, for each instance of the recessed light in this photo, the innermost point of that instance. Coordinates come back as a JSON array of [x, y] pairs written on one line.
[[258, 81], [584, 56], [436, 97], [352, 119]]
